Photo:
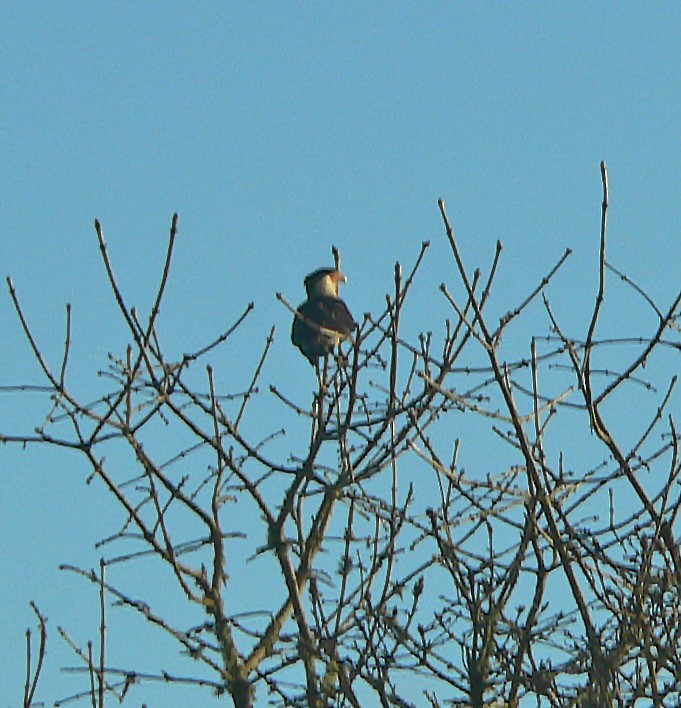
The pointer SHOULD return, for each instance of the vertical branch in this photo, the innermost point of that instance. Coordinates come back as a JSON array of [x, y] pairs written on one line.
[[127, 315], [586, 368], [91, 672], [394, 329], [32, 683], [219, 570], [31, 340], [102, 634], [252, 387], [535, 403], [394, 505], [164, 279], [67, 346]]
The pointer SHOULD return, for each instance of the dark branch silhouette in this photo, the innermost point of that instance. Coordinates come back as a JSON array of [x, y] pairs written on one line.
[[471, 520]]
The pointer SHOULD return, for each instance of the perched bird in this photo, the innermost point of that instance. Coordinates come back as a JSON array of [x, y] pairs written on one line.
[[323, 320]]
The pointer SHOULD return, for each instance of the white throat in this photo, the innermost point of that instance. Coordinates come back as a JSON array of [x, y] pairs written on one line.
[[325, 287]]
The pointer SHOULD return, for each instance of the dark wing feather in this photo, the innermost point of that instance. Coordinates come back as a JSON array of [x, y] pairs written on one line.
[[334, 314], [327, 312]]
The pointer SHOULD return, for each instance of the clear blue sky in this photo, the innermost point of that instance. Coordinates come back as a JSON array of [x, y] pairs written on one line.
[[276, 130]]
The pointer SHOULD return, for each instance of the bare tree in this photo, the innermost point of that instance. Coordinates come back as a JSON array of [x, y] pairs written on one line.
[[546, 572]]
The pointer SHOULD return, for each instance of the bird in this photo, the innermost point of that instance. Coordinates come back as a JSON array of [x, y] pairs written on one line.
[[323, 321]]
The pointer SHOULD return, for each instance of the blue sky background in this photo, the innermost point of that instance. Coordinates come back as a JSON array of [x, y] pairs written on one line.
[[276, 130]]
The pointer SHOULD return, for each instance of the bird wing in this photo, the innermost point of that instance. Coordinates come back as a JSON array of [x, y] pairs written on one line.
[[334, 314], [329, 313]]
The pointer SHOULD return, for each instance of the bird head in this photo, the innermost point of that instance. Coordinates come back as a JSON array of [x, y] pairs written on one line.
[[324, 282]]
